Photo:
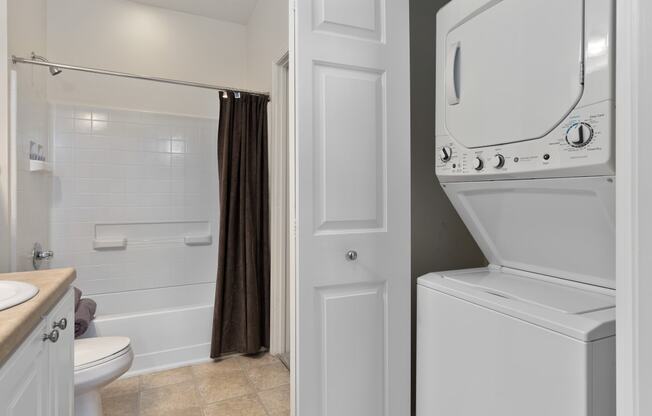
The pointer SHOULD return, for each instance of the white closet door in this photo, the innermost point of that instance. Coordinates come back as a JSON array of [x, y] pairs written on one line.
[[351, 74]]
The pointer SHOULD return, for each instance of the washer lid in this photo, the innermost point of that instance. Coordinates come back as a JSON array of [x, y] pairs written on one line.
[[557, 227], [97, 349], [578, 311]]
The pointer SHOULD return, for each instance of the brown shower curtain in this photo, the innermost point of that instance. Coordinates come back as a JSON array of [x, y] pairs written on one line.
[[242, 295]]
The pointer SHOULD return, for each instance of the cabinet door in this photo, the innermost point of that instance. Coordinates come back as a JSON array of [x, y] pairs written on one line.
[[23, 381], [61, 354]]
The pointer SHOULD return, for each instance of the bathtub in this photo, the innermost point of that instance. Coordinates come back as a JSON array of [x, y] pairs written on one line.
[[169, 327]]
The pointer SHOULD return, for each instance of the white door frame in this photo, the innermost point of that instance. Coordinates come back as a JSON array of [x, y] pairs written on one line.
[[633, 207], [279, 205], [292, 200], [5, 203]]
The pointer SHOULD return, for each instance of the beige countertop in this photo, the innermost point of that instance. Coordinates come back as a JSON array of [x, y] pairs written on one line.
[[17, 322]]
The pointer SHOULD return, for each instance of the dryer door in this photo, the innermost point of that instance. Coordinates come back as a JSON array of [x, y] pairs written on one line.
[[513, 70]]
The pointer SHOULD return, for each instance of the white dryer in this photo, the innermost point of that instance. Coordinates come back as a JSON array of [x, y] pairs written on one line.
[[525, 152]]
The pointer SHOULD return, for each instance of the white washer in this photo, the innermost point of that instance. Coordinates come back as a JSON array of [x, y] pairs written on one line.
[[525, 152], [496, 342]]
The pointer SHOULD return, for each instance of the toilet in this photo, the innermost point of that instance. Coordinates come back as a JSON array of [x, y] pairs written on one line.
[[98, 362]]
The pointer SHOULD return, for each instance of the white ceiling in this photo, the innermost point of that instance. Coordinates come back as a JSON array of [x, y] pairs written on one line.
[[237, 11]]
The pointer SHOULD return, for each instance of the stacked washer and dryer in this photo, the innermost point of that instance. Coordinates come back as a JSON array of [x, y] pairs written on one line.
[[525, 143]]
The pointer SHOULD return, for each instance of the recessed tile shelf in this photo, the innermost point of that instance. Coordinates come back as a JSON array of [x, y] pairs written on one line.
[[39, 166]]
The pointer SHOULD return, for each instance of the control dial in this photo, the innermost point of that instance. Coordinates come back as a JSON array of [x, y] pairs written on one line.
[[478, 164], [498, 161], [445, 154], [579, 135]]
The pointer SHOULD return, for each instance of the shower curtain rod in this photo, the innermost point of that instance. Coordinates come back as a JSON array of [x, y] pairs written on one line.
[[19, 60]]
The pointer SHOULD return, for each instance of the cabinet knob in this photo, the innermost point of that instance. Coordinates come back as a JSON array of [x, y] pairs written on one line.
[[351, 255], [62, 324], [52, 336]]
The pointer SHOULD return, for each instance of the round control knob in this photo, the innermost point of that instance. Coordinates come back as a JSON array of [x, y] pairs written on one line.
[[478, 164], [498, 161], [579, 135], [445, 154]]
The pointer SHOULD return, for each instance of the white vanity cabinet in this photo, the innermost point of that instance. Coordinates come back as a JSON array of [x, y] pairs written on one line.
[[38, 377], [61, 357]]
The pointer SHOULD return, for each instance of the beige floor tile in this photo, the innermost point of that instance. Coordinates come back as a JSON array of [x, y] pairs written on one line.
[[240, 406], [216, 367], [122, 387], [276, 400], [169, 399], [125, 405], [256, 360], [166, 378], [190, 411], [281, 413], [269, 376], [226, 385]]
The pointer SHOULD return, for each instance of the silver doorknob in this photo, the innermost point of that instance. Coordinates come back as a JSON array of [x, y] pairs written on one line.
[[62, 324], [351, 255], [52, 336]]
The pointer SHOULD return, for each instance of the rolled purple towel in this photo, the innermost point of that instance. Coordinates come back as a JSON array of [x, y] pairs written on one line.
[[84, 315], [77, 297]]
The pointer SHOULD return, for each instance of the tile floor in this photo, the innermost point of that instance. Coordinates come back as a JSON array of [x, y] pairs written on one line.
[[238, 386]]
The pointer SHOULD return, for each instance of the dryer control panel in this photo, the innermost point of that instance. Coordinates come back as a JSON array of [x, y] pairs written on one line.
[[582, 145]]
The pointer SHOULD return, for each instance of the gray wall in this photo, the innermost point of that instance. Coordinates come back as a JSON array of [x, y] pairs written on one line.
[[440, 241]]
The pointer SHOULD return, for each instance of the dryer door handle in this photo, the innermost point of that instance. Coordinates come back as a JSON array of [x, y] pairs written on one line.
[[452, 74]]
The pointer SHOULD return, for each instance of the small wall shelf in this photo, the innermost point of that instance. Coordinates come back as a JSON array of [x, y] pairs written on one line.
[[198, 240], [39, 166], [110, 244]]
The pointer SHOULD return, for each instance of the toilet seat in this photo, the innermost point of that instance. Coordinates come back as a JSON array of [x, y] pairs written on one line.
[[91, 352], [98, 362]]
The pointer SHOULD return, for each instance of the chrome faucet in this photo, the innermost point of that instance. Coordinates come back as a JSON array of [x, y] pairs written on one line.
[[39, 255]]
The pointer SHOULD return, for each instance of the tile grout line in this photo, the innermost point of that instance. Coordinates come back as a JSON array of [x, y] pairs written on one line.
[[251, 383], [195, 378], [203, 404], [140, 396], [196, 388]]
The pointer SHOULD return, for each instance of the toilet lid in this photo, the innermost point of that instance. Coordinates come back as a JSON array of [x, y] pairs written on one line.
[[90, 350]]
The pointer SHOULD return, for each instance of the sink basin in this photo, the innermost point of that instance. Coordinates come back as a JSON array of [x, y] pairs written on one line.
[[13, 293]]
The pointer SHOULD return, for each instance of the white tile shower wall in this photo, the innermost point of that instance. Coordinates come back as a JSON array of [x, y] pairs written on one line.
[[116, 169], [33, 189]]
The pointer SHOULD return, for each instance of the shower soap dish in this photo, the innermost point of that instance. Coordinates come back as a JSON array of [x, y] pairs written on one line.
[[198, 240], [39, 166], [118, 243]]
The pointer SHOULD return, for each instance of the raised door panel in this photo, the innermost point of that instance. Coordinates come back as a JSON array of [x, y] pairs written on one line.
[[349, 148], [363, 19], [354, 372], [23, 379]]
